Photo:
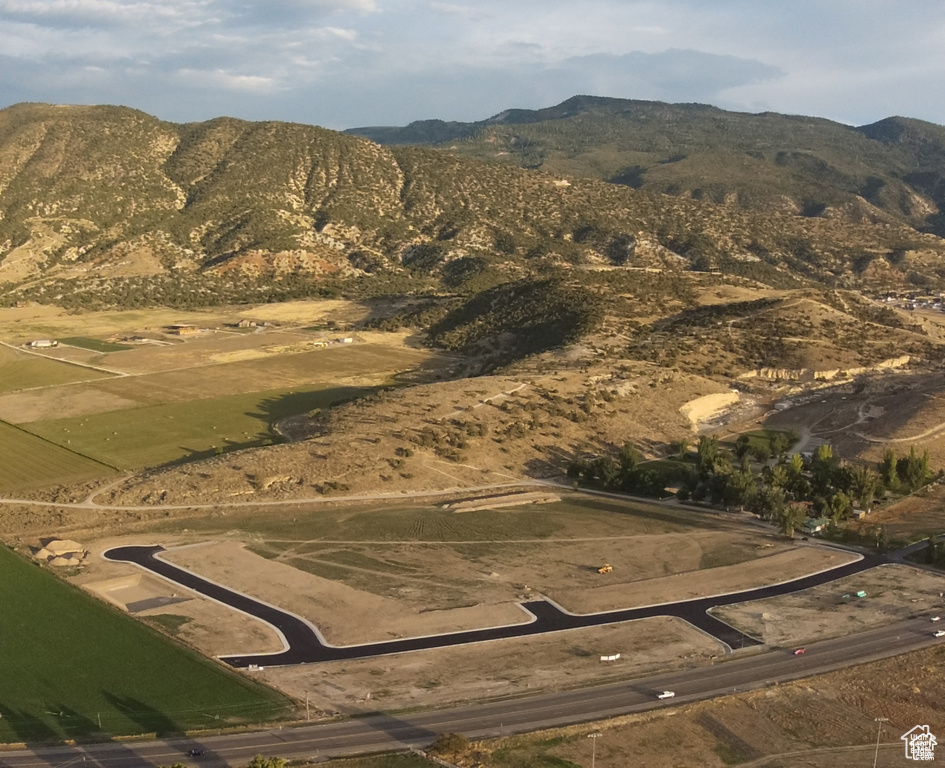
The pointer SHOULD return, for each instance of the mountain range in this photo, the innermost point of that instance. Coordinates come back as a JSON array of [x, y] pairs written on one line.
[[111, 206], [894, 167]]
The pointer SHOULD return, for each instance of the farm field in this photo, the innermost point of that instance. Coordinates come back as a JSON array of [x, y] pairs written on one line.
[[20, 370], [158, 434], [30, 462], [70, 662]]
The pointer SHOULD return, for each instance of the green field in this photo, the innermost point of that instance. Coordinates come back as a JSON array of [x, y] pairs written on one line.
[[160, 434], [30, 462], [575, 517], [19, 370], [70, 662], [96, 345]]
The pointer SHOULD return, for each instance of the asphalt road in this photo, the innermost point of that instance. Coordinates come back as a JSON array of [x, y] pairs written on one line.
[[369, 734], [306, 646]]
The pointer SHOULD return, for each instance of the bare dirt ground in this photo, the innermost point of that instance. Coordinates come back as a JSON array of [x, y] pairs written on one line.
[[211, 628], [682, 586], [826, 721], [893, 593], [496, 669], [344, 615], [914, 517]]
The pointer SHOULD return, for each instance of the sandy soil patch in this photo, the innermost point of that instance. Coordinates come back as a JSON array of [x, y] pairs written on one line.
[[707, 407], [893, 593], [713, 581], [344, 615], [498, 668]]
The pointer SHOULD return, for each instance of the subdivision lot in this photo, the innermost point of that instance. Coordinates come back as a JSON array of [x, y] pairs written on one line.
[[70, 662], [31, 462], [21, 370], [158, 434], [893, 593]]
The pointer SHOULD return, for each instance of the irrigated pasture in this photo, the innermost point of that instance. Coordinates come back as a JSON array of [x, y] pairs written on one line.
[[158, 434], [72, 667], [20, 370], [30, 461]]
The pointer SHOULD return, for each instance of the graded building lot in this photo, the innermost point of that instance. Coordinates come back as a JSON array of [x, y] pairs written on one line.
[[893, 593], [498, 668], [31, 462], [70, 662]]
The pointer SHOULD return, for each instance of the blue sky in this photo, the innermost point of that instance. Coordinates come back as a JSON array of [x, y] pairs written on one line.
[[345, 63]]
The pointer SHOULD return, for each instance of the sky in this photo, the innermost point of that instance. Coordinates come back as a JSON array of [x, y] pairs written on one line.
[[347, 63]]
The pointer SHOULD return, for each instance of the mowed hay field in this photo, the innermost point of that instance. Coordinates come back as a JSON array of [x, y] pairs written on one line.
[[70, 662], [19, 370], [30, 462], [160, 434]]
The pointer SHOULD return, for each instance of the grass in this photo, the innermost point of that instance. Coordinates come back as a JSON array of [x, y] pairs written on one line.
[[70, 662], [385, 761], [282, 530], [19, 370], [30, 462], [96, 345], [169, 432]]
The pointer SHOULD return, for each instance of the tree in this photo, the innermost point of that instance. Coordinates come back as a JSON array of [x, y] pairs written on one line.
[[931, 550], [864, 486], [742, 446], [791, 518], [267, 762], [822, 468], [914, 469], [629, 457], [681, 448], [839, 507], [888, 469], [768, 503], [708, 451], [738, 488], [779, 443], [449, 745]]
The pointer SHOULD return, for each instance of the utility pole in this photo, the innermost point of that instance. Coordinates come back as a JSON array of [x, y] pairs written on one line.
[[593, 737], [307, 715], [879, 731]]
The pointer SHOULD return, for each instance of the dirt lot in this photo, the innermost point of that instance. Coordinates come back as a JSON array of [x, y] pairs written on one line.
[[821, 722], [894, 593], [498, 668], [765, 570]]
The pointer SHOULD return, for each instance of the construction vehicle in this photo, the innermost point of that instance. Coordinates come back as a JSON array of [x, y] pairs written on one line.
[[605, 568]]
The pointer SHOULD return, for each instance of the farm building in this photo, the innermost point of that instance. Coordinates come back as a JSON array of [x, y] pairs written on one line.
[[42, 344], [181, 329]]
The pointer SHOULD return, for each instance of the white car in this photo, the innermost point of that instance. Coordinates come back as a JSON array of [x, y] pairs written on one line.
[[935, 618], [670, 694], [939, 633]]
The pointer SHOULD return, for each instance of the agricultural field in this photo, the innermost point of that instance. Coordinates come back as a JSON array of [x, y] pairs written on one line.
[[73, 668], [21, 370], [159, 434], [177, 399], [32, 462]]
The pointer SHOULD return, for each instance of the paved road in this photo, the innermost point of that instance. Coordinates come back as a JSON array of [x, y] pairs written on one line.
[[304, 644], [741, 673]]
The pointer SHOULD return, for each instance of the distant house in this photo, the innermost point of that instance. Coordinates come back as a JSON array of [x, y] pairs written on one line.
[[43, 344], [346, 340], [181, 329], [859, 514], [814, 524]]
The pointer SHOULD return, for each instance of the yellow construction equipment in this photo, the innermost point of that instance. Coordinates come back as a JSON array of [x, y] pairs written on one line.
[[605, 568]]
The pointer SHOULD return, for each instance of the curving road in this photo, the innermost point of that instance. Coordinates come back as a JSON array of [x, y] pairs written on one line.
[[305, 645], [378, 733]]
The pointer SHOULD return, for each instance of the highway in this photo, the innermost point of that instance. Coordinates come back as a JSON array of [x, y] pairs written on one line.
[[745, 670]]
